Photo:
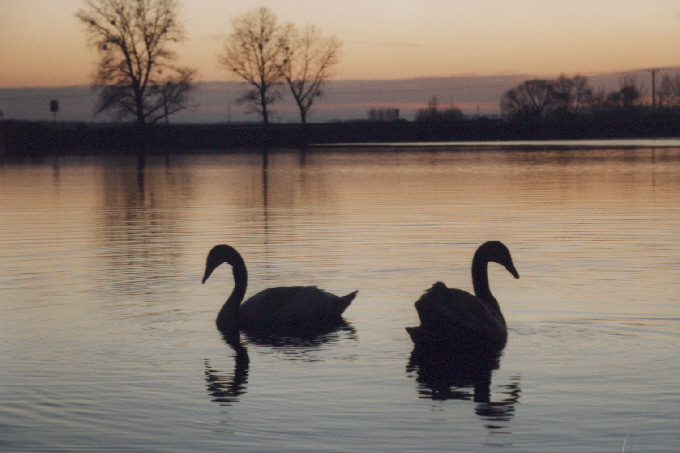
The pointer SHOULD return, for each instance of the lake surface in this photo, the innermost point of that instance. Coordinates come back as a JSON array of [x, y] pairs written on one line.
[[108, 338]]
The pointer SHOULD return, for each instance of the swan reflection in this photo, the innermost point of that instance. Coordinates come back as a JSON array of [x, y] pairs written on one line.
[[225, 388], [300, 336], [300, 344], [463, 375], [297, 343]]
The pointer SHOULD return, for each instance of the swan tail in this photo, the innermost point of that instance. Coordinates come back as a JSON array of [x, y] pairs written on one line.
[[417, 334], [349, 297], [344, 301]]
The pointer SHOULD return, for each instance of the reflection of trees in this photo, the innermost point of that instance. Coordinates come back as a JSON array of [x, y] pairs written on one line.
[[292, 180], [463, 376], [290, 189], [139, 218]]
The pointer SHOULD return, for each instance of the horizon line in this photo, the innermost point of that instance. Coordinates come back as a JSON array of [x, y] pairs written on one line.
[[433, 77]]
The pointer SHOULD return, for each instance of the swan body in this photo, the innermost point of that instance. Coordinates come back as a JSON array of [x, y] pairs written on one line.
[[293, 305], [453, 317], [274, 307]]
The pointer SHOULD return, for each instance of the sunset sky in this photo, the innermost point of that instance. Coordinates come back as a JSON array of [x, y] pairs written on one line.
[[43, 44]]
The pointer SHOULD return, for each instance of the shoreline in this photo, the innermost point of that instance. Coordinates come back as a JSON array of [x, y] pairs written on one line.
[[23, 137]]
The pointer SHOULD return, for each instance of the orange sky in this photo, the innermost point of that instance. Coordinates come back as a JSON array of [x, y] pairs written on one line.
[[42, 43]]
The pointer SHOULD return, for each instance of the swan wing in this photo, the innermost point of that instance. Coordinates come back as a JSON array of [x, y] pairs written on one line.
[[294, 305], [456, 315]]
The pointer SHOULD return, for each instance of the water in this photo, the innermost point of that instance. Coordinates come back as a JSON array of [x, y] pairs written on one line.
[[107, 337]]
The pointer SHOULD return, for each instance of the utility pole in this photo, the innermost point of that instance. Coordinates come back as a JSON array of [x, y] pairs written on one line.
[[54, 108], [653, 73]]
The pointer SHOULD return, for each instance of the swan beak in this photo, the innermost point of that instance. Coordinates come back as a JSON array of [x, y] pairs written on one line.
[[513, 271], [208, 271]]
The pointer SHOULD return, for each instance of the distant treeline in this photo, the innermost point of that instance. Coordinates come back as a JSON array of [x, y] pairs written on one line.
[[568, 99], [30, 137]]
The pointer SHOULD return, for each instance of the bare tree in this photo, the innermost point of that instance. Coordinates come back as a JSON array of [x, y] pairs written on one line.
[[253, 52], [529, 100], [133, 37], [308, 60], [173, 93], [570, 94], [430, 113], [630, 91], [669, 92], [583, 94], [563, 93]]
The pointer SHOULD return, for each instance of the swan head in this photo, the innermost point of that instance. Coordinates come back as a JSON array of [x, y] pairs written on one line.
[[497, 252], [222, 254]]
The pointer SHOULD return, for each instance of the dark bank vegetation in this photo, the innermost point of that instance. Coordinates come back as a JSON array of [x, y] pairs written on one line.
[[31, 137]]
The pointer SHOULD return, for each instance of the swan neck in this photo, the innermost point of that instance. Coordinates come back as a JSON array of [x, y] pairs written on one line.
[[480, 281], [480, 277], [229, 314]]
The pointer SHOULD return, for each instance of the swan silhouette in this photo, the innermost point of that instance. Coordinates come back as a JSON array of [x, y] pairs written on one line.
[[455, 318], [296, 307]]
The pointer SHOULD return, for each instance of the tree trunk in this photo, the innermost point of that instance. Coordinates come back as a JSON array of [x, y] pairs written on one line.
[[265, 113], [141, 120]]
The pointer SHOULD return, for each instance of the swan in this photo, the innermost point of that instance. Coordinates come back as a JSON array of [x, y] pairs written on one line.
[[291, 306], [454, 317]]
